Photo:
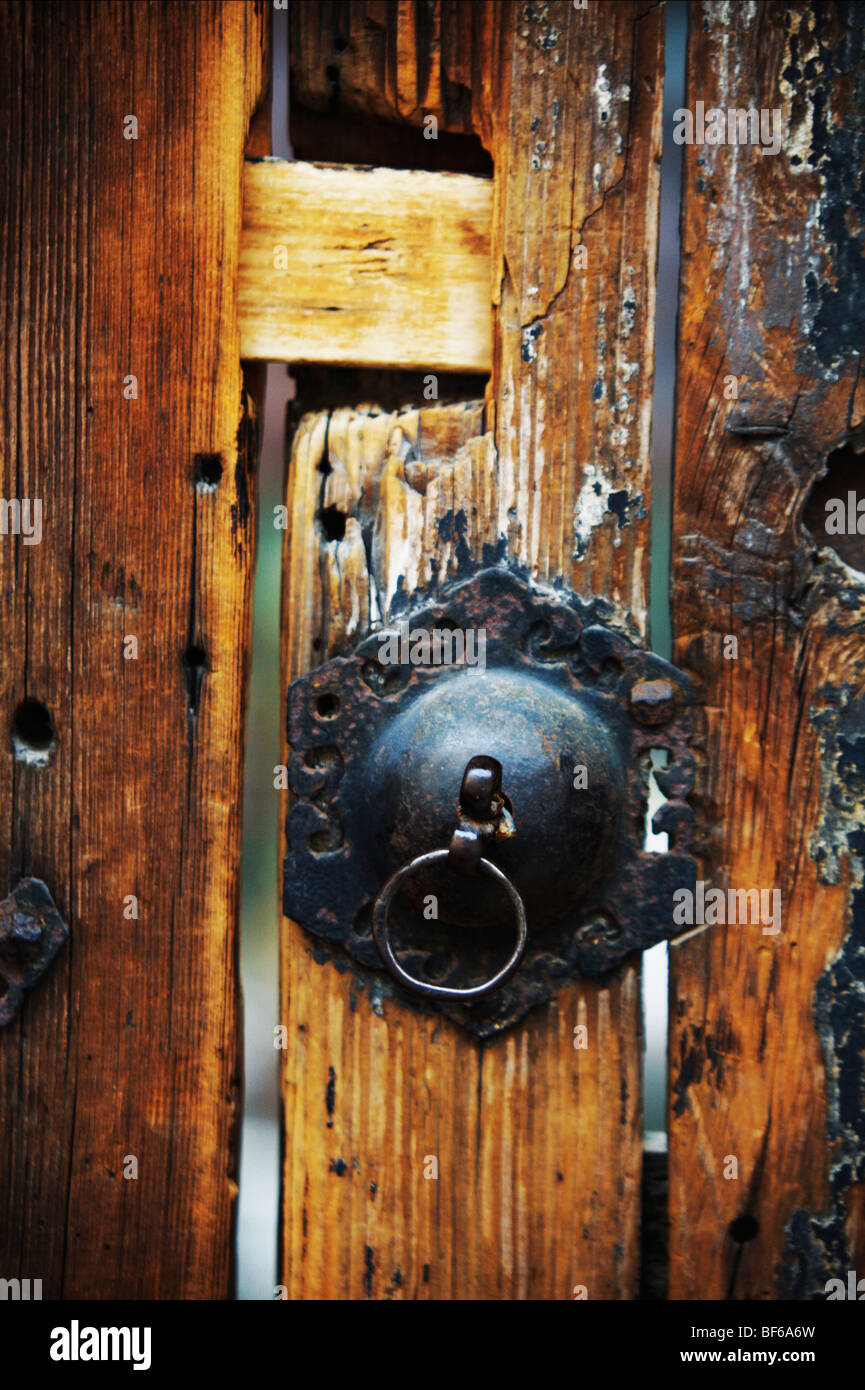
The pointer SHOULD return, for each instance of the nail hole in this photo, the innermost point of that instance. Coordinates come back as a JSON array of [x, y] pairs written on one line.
[[323, 757], [363, 922], [332, 522], [207, 472], [33, 734], [327, 705], [194, 668], [340, 44], [325, 841], [744, 1228]]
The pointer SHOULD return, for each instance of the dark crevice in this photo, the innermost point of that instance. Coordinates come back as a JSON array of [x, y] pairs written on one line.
[[332, 522], [832, 511], [744, 1228], [34, 736], [654, 1239], [333, 137], [390, 389], [207, 472], [342, 136], [194, 669]]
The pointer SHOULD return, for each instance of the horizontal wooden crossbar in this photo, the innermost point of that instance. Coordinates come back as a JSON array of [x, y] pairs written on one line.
[[365, 267]]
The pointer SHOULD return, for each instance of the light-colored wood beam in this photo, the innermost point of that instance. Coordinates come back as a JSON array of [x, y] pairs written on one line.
[[365, 267]]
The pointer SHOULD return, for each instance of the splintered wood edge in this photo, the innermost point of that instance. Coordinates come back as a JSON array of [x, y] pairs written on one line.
[[538, 1214], [365, 267]]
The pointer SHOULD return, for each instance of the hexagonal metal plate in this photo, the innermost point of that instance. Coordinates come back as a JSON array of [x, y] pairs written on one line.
[[337, 712]]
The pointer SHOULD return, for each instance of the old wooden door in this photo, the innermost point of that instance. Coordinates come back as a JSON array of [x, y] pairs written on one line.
[[471, 328], [535, 1188]]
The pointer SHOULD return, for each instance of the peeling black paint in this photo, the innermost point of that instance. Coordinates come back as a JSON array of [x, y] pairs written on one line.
[[619, 503], [817, 1247], [494, 554], [338, 1166], [453, 528], [531, 333], [836, 294], [369, 1269]]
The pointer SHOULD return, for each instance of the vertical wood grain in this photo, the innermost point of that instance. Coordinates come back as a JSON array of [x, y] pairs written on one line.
[[119, 258], [539, 1145], [766, 1029]]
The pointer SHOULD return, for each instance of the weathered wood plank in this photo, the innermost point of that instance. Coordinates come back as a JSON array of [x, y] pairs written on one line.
[[573, 240], [365, 267], [766, 1028], [539, 1145], [119, 261], [371, 1089]]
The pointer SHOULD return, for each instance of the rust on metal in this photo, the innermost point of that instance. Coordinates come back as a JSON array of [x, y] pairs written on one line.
[[377, 754], [31, 933], [653, 702]]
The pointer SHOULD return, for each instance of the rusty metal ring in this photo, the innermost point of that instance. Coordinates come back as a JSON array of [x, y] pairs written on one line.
[[381, 921]]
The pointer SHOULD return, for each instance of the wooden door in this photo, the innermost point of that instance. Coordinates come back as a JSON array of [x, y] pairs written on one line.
[[460, 267], [537, 1145]]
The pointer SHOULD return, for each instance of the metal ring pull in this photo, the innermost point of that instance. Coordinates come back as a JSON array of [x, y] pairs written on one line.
[[381, 923], [483, 816]]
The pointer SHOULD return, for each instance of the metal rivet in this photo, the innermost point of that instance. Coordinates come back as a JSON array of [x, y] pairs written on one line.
[[653, 702]]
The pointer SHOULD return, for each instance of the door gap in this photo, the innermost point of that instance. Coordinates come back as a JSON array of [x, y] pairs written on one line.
[[257, 1223], [339, 138], [653, 1271]]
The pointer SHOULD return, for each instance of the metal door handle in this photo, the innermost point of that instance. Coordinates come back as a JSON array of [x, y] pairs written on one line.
[[570, 707], [482, 813]]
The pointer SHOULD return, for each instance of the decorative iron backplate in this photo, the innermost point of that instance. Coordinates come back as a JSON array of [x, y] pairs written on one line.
[[31, 933], [339, 713]]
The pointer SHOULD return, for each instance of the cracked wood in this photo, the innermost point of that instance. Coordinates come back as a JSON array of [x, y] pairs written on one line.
[[766, 1032], [538, 1144], [120, 261]]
